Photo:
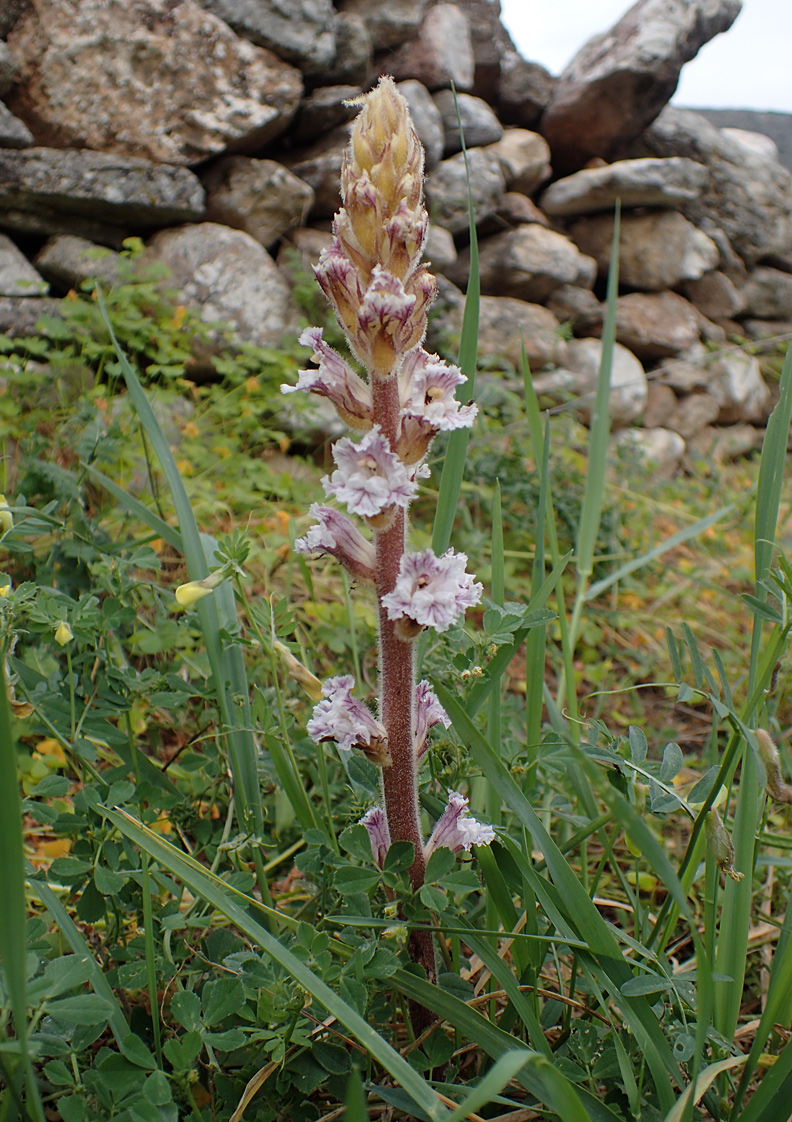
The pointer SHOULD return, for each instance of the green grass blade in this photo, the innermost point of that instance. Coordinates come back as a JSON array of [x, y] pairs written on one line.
[[12, 892], [503, 1071], [576, 901], [456, 448], [226, 662], [768, 495], [594, 492], [212, 890], [536, 641], [147, 516], [69, 930], [698, 527], [538, 1075], [770, 1101], [735, 921]]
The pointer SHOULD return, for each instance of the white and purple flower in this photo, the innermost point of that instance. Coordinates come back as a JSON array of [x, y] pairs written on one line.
[[427, 712], [457, 829], [379, 835], [336, 380], [369, 476], [346, 720], [432, 591], [338, 535]]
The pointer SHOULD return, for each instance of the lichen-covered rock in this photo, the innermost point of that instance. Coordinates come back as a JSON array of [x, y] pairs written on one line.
[[716, 296], [447, 189], [768, 293], [441, 54], [17, 275], [642, 182], [13, 132], [749, 195], [524, 91], [628, 384], [227, 276], [67, 261], [656, 325], [620, 80], [737, 385], [319, 165], [659, 448], [354, 57], [261, 197], [658, 250], [153, 78], [54, 191], [302, 32], [427, 119], [524, 157], [322, 110], [480, 126], [391, 23], [530, 262]]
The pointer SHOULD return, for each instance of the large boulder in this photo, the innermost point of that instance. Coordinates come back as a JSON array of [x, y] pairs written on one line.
[[620, 80], [147, 78], [504, 325], [67, 261], [261, 197], [628, 385], [657, 250], [440, 55], [749, 194], [529, 263], [524, 91], [656, 324], [388, 24], [646, 182], [227, 276], [302, 32], [524, 158], [54, 191], [479, 124], [447, 189]]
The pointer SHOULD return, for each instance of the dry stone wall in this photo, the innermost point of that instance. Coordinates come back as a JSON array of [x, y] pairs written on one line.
[[214, 129]]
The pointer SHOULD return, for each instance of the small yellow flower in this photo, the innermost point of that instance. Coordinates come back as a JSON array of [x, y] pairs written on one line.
[[63, 633], [194, 590], [6, 517], [4, 591]]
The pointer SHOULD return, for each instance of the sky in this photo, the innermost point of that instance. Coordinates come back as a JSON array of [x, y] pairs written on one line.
[[748, 67]]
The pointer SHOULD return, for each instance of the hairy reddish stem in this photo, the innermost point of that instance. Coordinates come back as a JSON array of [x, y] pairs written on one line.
[[397, 694]]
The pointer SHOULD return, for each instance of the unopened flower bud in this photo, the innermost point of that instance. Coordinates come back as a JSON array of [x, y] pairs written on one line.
[[63, 633], [768, 753], [6, 517], [301, 674], [720, 844]]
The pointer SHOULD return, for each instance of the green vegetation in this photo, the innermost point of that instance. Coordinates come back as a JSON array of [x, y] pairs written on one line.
[[196, 929]]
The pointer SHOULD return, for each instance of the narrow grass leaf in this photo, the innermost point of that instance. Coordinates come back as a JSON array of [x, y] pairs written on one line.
[[189, 872], [145, 514], [501, 1073], [695, 1091], [770, 1101], [12, 894]]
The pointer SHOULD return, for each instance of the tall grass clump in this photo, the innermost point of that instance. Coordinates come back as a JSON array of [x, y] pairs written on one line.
[[412, 889]]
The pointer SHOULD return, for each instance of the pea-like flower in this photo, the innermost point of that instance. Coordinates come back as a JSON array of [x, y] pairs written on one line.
[[6, 517], [195, 590], [377, 825], [338, 536], [346, 720], [63, 633], [457, 829], [431, 591], [369, 476]]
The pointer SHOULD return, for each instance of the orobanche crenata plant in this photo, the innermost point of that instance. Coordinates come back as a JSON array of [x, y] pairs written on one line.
[[373, 276]]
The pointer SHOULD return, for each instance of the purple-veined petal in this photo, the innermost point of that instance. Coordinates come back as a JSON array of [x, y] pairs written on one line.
[[338, 535], [457, 829], [432, 591], [345, 719], [377, 825], [369, 476], [427, 712]]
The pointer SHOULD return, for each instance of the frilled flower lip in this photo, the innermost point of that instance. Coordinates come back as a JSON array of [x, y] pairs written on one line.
[[334, 379], [369, 476], [432, 591], [345, 719], [457, 829], [427, 388], [379, 835], [338, 536]]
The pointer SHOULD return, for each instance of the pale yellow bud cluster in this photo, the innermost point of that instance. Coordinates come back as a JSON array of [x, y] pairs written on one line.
[[372, 274]]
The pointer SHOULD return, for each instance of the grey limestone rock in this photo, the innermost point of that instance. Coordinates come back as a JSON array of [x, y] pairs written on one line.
[[768, 293], [524, 91], [13, 132], [659, 249], [524, 157], [390, 23], [17, 275], [353, 62], [749, 195], [261, 197], [628, 380], [447, 189], [323, 109], [302, 32], [480, 126], [641, 182], [660, 449], [620, 80], [656, 324], [530, 262], [162, 79], [227, 276], [52, 191], [440, 54], [427, 119], [67, 261]]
